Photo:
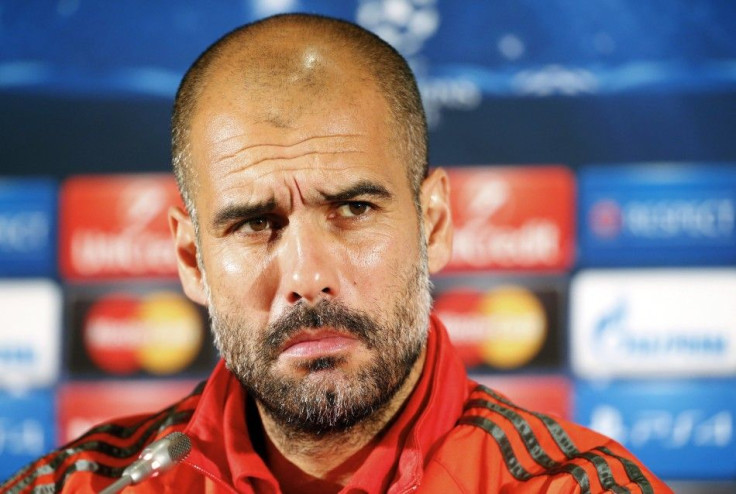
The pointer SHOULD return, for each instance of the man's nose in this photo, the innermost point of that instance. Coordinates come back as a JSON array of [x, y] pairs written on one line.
[[309, 269]]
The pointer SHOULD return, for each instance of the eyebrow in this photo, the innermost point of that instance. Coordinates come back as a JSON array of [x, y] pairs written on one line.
[[235, 212], [362, 188], [240, 211]]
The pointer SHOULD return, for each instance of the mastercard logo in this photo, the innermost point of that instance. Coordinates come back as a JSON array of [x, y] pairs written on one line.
[[160, 333], [505, 327]]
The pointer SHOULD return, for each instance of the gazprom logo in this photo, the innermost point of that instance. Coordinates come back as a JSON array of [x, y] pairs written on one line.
[[17, 355], [653, 322], [614, 336]]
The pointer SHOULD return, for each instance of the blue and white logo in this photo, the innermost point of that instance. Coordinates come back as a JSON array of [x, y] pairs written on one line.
[[408, 25], [30, 341], [658, 214], [614, 335], [405, 24], [665, 322], [27, 428], [28, 211], [679, 429]]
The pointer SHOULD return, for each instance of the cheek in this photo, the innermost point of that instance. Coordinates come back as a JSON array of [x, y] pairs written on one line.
[[370, 254], [237, 280], [378, 264]]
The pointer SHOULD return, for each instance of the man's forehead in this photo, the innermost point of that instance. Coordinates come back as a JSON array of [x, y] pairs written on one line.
[[280, 195], [279, 86], [277, 95], [290, 57], [314, 167], [244, 158]]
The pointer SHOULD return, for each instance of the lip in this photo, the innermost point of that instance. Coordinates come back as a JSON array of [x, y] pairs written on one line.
[[317, 343]]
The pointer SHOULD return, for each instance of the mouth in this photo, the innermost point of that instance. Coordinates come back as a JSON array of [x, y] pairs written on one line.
[[310, 344]]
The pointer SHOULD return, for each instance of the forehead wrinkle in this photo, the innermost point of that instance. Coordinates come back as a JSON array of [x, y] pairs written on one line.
[[253, 163], [254, 154], [263, 186], [266, 178], [296, 144]]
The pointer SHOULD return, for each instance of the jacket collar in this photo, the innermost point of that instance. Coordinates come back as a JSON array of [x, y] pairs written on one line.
[[222, 447]]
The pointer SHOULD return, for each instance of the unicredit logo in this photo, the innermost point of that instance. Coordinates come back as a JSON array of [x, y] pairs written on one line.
[[96, 252], [512, 218], [536, 242], [117, 227]]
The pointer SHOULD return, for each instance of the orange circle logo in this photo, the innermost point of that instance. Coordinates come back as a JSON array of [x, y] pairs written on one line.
[[160, 333], [504, 328]]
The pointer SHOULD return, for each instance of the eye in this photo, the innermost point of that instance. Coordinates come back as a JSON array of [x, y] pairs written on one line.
[[259, 224], [353, 208]]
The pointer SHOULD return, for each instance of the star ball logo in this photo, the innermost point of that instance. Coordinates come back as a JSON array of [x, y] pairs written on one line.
[[504, 327], [405, 24], [606, 219], [160, 333]]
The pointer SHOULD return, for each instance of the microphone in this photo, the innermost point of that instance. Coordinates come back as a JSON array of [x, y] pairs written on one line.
[[157, 457]]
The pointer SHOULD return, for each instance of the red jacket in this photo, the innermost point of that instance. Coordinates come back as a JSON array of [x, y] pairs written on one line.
[[451, 436]]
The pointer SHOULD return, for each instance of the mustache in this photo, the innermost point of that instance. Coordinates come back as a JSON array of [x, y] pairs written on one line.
[[333, 314]]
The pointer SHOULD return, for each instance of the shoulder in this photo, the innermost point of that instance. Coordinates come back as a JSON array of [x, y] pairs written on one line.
[[102, 453], [498, 445]]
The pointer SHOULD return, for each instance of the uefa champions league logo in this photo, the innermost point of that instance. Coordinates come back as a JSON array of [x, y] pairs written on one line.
[[407, 25], [404, 24]]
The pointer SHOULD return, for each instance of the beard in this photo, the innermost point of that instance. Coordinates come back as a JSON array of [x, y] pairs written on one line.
[[318, 402]]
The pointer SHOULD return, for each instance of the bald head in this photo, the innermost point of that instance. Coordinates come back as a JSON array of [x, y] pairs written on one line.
[[286, 65]]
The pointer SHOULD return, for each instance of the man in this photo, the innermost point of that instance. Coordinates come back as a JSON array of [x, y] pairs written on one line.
[[311, 229]]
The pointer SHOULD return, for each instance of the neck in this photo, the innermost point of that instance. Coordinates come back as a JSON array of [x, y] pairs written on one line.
[[329, 460]]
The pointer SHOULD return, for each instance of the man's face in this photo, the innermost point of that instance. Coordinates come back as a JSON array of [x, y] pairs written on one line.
[[312, 255]]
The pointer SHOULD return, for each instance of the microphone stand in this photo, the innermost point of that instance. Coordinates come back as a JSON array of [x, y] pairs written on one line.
[[158, 457]]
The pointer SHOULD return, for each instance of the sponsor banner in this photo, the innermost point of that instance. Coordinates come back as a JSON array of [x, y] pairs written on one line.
[[83, 405], [679, 429], [548, 394], [116, 226], [657, 214], [138, 330], [503, 323], [27, 428], [700, 487], [512, 218], [663, 322], [27, 227], [30, 340]]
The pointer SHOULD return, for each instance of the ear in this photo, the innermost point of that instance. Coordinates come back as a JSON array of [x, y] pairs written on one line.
[[185, 242], [435, 197]]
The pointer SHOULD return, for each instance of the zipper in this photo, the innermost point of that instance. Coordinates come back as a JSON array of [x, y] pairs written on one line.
[[210, 476], [411, 489]]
